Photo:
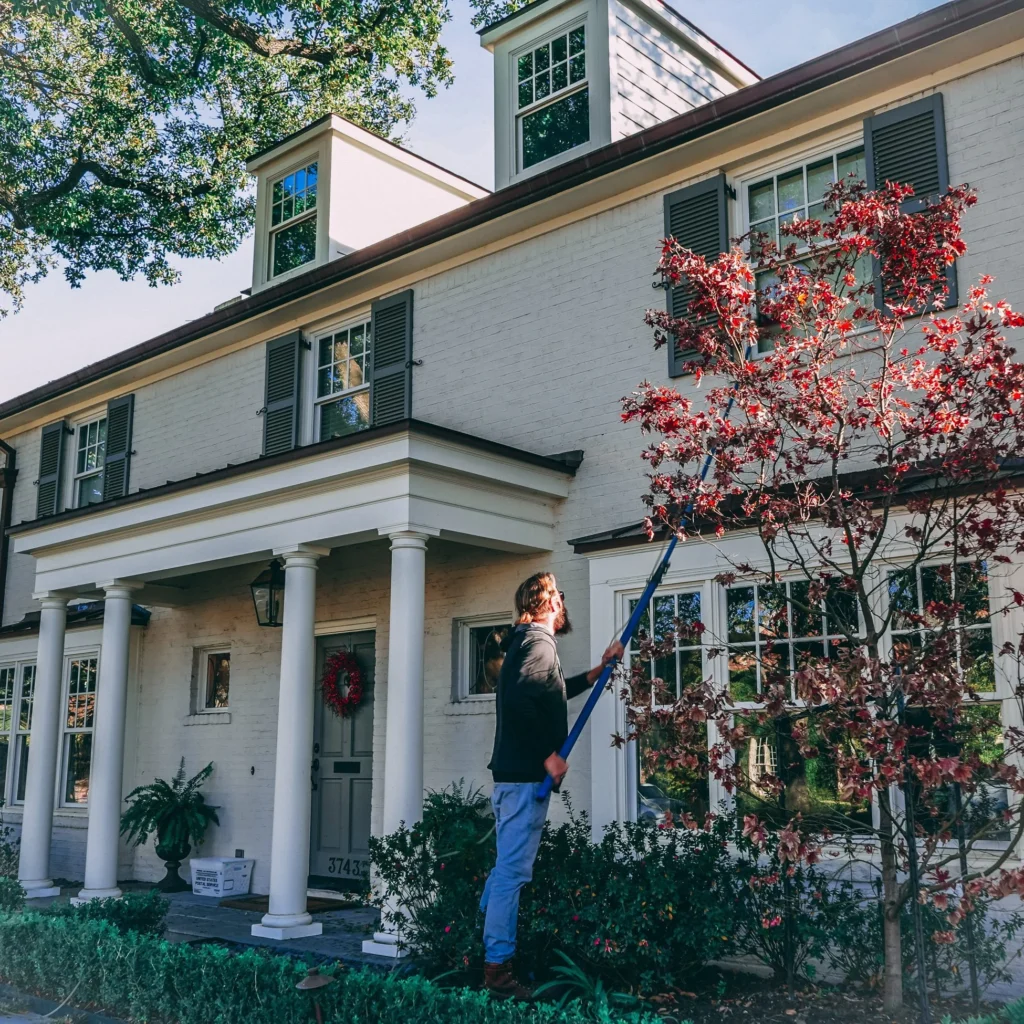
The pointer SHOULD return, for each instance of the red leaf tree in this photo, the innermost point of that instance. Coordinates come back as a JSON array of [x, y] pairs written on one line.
[[874, 450]]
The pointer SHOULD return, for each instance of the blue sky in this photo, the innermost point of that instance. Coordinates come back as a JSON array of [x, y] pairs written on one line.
[[62, 329]]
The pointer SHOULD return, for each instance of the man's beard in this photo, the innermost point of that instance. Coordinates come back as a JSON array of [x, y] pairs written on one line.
[[562, 623]]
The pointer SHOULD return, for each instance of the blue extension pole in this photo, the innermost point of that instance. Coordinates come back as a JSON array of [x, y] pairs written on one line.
[[545, 787]]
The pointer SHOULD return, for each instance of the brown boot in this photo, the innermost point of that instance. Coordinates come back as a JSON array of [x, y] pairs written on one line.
[[500, 981]]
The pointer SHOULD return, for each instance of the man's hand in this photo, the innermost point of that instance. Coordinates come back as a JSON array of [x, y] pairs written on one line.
[[613, 653], [556, 767]]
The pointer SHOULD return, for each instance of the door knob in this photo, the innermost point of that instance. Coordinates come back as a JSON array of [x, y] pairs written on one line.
[[316, 764]]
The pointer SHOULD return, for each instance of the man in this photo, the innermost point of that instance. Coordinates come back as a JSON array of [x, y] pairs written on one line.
[[532, 724]]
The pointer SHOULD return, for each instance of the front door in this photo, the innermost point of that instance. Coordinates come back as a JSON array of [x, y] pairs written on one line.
[[341, 775]]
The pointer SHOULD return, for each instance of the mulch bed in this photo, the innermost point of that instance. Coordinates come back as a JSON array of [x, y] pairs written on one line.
[[751, 999]]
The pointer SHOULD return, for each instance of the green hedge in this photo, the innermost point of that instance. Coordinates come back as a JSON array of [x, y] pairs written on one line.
[[146, 979]]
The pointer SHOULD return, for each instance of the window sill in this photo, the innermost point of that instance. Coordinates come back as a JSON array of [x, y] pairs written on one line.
[[208, 718], [482, 705]]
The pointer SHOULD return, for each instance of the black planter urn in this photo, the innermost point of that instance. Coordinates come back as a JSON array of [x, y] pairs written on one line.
[[172, 854]]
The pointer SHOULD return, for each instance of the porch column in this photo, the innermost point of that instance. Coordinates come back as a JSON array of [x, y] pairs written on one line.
[[37, 819], [403, 741], [289, 845], [105, 786]]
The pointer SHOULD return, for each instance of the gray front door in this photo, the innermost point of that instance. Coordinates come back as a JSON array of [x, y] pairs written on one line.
[[341, 776]]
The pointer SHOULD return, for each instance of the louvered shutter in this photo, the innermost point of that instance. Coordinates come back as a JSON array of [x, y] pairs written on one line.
[[697, 218], [117, 456], [51, 462], [281, 407], [908, 146], [391, 355]]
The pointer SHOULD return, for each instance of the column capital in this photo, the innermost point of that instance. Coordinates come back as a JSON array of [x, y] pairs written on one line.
[[301, 554], [408, 535], [53, 598], [119, 588]]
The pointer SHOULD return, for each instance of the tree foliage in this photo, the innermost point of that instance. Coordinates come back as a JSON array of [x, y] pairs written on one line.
[[125, 124], [872, 450]]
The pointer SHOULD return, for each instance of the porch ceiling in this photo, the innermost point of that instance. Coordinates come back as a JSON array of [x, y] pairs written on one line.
[[437, 481]]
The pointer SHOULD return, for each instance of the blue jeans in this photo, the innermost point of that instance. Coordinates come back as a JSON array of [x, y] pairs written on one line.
[[519, 821]]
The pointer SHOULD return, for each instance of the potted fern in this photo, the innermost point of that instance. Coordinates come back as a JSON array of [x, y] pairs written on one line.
[[179, 815]]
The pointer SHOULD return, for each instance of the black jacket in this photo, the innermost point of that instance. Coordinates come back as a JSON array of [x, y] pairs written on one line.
[[531, 703]]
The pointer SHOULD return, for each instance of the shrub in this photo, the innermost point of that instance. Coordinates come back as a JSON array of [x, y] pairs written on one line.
[[136, 912], [641, 909], [1011, 1014], [143, 978], [12, 895]]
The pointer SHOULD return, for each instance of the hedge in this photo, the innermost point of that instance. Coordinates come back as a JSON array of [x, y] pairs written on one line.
[[145, 979]]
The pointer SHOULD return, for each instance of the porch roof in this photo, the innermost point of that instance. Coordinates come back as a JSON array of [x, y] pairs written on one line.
[[408, 476]]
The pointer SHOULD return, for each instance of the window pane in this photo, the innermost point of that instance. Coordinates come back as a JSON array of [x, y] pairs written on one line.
[[526, 93], [841, 609], [978, 660], [541, 59], [218, 680], [644, 624], [578, 68], [542, 85], [972, 592], [559, 49], [743, 674], [664, 616], [577, 39], [345, 416], [5, 746], [762, 201], [903, 598], [819, 177], [81, 693], [77, 761], [23, 744], [559, 77], [487, 646], [852, 162], [6, 698], [791, 191], [772, 610], [556, 128], [294, 246], [691, 669], [739, 606], [525, 64], [669, 791], [806, 614], [90, 490], [28, 690]]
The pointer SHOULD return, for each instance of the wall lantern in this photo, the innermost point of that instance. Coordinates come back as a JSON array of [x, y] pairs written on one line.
[[268, 595]]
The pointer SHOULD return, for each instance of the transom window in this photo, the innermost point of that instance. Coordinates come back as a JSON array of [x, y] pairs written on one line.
[[293, 220], [798, 194], [772, 628], [78, 725], [91, 449], [549, 122], [342, 381]]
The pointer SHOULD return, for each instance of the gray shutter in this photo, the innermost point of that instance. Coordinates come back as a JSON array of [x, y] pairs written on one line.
[[281, 406], [391, 355], [51, 462], [118, 451], [908, 146], [697, 217]]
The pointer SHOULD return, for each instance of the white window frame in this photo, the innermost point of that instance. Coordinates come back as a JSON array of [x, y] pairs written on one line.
[[518, 113], [90, 654], [274, 229], [461, 638], [9, 732], [777, 169], [316, 402], [80, 424], [200, 662], [18, 732]]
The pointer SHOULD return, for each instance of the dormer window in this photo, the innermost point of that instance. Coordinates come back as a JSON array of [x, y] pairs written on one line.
[[293, 220], [552, 97]]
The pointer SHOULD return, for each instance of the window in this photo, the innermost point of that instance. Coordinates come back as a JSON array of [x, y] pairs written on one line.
[[552, 97], [482, 642], [342, 381], [23, 730], [293, 220], [17, 686], [770, 628], [797, 194], [90, 451], [77, 748], [218, 680], [662, 791]]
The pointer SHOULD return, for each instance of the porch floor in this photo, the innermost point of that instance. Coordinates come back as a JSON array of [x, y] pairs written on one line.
[[192, 918]]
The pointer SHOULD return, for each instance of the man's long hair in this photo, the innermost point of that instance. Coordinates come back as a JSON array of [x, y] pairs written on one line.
[[533, 594]]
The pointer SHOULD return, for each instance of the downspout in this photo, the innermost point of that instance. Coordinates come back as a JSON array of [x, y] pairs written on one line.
[[7, 477]]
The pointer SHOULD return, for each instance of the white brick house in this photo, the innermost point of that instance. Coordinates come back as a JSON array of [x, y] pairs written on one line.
[[407, 491]]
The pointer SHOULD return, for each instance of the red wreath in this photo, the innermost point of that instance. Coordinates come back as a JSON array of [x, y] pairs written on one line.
[[342, 664]]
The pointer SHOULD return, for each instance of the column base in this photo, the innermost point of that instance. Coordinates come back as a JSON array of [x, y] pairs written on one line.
[[40, 888], [287, 926], [384, 944], [88, 895]]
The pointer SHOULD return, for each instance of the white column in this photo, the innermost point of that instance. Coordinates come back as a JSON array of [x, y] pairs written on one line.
[[105, 784], [37, 819], [289, 846], [403, 742]]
